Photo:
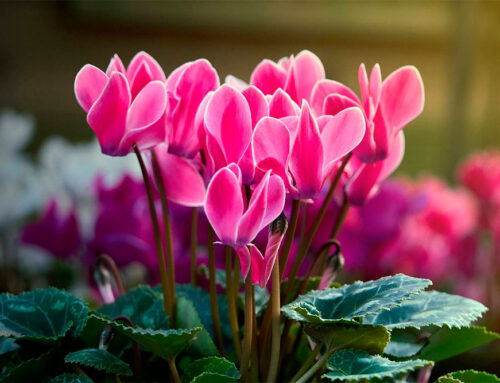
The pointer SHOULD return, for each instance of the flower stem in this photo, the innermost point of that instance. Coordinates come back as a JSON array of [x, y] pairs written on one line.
[[167, 303], [231, 303], [310, 235], [173, 370], [321, 361], [193, 243], [167, 228], [310, 360], [276, 335], [289, 236], [213, 292], [247, 338]]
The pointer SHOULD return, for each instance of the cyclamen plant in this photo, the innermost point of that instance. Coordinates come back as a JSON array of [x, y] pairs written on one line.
[[246, 158]]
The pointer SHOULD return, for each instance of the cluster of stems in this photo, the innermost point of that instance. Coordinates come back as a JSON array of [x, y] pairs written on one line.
[[259, 355]]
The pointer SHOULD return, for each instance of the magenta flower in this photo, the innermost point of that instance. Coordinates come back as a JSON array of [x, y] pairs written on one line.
[[186, 87], [388, 106], [55, 231], [181, 178], [364, 179], [124, 107], [480, 173], [303, 150], [229, 119], [295, 75], [237, 224]]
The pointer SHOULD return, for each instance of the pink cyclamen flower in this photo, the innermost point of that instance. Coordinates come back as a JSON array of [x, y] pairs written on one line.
[[181, 178], [296, 75], [304, 150], [187, 86], [237, 224], [124, 106], [229, 119], [55, 231], [363, 179], [480, 173], [388, 106]]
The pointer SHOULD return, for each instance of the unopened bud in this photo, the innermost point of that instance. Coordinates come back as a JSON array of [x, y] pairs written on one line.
[[102, 278], [279, 225]]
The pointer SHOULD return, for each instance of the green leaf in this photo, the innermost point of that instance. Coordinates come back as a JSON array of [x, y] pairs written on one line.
[[70, 378], [351, 303], [142, 305], [211, 370], [404, 343], [354, 365], [25, 370], [101, 360], [187, 317], [7, 345], [468, 376], [372, 339], [448, 342], [429, 308], [164, 343], [43, 315]]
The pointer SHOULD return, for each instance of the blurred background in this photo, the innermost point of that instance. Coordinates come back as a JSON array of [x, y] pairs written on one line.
[[454, 44]]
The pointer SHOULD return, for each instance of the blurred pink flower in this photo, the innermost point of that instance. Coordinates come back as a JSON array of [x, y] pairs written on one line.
[[124, 106], [55, 231]]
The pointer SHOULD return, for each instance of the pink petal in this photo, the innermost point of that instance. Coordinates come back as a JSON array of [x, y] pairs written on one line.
[[273, 244], [147, 109], [364, 87], [89, 83], [258, 265], [362, 183], [268, 77], [275, 204], [235, 82], [107, 117], [281, 105], [305, 71], [251, 221], [229, 121], [142, 58], [271, 139], [183, 182], [115, 65], [395, 157], [224, 205], [323, 89], [245, 260], [375, 86], [141, 78], [174, 77], [336, 102], [402, 97], [257, 103], [194, 83], [341, 134], [307, 157]]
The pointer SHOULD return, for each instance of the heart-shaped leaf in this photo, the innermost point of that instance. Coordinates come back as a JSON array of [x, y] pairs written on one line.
[[447, 342], [429, 308], [187, 317], [372, 339], [42, 315], [468, 376], [164, 343], [355, 365], [404, 343], [70, 378], [101, 360], [210, 370], [351, 303], [142, 306]]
